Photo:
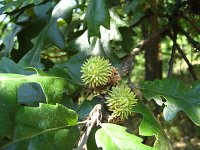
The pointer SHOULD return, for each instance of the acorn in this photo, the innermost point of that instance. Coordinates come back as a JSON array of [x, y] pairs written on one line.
[[121, 101], [96, 72]]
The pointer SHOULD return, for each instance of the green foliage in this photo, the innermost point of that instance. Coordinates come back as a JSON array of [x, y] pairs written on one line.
[[178, 97], [49, 48]]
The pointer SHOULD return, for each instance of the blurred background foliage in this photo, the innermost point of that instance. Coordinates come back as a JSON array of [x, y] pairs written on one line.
[[53, 33]]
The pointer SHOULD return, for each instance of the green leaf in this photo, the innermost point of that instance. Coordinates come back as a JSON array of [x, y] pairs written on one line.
[[127, 40], [44, 127], [62, 10], [32, 58], [11, 6], [150, 127], [97, 14], [16, 4], [91, 143], [115, 137], [86, 107], [30, 94], [132, 6], [52, 86], [9, 66], [178, 97], [73, 65], [8, 40]]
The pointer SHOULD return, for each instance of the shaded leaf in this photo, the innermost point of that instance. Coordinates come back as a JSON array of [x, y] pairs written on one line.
[[86, 107], [150, 127], [91, 143], [8, 40], [178, 97], [32, 58], [30, 94], [115, 137], [97, 14], [9, 66], [49, 129], [16, 4], [132, 6], [62, 10], [11, 6], [73, 65]]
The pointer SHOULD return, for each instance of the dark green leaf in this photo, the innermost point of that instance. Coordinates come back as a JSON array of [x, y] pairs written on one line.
[[150, 127], [8, 41], [45, 127], [115, 137], [91, 143], [62, 10], [73, 65], [132, 6], [32, 58], [86, 107], [97, 14], [9, 66], [178, 97], [11, 6], [31, 94], [16, 4]]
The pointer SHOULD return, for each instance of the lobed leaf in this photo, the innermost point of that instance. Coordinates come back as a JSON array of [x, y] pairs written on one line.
[[97, 14], [52, 86], [115, 137], [150, 127], [44, 127], [178, 97], [61, 10]]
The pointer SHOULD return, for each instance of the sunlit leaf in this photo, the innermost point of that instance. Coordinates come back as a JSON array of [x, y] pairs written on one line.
[[53, 87], [115, 137]]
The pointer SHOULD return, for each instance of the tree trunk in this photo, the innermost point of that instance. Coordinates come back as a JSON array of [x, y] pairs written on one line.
[[153, 57]]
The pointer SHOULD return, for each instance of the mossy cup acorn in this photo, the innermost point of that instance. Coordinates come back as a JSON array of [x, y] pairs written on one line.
[[121, 101], [96, 72]]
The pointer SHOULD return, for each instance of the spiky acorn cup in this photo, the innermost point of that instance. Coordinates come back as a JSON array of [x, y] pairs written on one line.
[[96, 72], [121, 101]]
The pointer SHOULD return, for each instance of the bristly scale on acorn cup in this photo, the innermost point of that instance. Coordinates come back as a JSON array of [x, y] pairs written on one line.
[[121, 101], [96, 72]]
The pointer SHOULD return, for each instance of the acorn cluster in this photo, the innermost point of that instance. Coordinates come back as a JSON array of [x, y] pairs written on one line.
[[97, 74]]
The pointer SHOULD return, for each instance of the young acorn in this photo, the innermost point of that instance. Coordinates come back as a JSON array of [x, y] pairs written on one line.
[[121, 101], [96, 72]]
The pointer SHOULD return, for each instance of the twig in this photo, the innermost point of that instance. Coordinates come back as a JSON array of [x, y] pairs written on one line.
[[171, 62], [145, 43], [127, 62], [94, 117], [174, 38], [195, 27], [190, 67], [194, 43], [148, 14]]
